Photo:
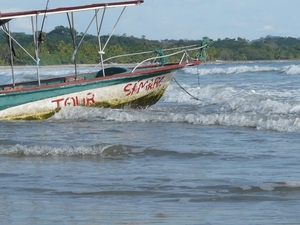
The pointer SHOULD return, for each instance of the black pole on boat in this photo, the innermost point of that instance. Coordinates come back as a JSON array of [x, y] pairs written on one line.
[[45, 15], [99, 26], [41, 38], [36, 46], [198, 76], [73, 35], [12, 52]]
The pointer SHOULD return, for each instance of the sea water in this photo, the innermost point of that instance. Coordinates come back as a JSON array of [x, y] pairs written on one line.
[[221, 148]]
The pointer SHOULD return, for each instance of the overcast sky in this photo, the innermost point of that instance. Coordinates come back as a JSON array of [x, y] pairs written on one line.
[[180, 19]]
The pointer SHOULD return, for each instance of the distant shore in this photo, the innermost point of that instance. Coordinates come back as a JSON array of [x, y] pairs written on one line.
[[124, 64]]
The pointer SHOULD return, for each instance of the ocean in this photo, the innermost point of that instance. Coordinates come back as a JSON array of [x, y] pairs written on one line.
[[221, 148]]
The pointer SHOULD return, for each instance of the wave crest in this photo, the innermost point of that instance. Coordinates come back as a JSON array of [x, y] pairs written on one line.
[[102, 151], [240, 69]]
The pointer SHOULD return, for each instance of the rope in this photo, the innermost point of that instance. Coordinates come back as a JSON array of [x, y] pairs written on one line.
[[193, 97], [162, 58], [42, 36]]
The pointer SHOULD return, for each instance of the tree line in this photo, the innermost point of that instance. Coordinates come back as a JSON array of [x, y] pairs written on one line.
[[57, 48]]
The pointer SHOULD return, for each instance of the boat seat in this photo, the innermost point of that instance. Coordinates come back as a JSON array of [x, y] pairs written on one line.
[[111, 71]]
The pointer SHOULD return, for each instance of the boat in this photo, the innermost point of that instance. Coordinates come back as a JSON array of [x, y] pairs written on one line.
[[106, 85]]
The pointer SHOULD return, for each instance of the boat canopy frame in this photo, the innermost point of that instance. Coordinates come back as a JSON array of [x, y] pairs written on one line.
[[5, 18], [35, 14]]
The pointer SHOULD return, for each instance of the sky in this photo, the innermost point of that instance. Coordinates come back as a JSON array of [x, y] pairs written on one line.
[[177, 19]]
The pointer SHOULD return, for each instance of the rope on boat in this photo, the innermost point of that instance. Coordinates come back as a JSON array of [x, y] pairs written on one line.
[[201, 55], [162, 58], [42, 36], [202, 52], [193, 97]]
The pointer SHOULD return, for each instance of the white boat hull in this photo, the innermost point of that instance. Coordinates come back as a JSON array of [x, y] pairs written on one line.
[[111, 96]]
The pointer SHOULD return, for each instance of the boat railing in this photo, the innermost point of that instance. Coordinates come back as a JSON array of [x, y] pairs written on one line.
[[147, 52], [183, 49]]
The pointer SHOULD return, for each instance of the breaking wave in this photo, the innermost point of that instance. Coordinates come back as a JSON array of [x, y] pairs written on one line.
[[104, 151], [240, 69], [96, 150], [266, 115]]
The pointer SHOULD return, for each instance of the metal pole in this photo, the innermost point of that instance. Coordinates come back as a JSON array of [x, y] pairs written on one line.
[[114, 28], [74, 43], [72, 31], [101, 52], [11, 56], [35, 39]]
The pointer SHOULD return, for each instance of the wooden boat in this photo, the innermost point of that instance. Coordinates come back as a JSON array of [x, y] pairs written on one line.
[[138, 86]]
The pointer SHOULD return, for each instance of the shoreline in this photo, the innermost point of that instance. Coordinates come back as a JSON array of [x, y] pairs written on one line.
[[126, 64]]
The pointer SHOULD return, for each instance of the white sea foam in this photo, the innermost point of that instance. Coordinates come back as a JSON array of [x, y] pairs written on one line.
[[291, 69], [272, 186], [240, 69], [235, 69], [292, 184], [253, 120], [246, 188], [104, 150]]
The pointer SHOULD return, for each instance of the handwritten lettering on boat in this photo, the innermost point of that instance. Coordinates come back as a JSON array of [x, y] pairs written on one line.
[[75, 101], [136, 87], [129, 89]]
